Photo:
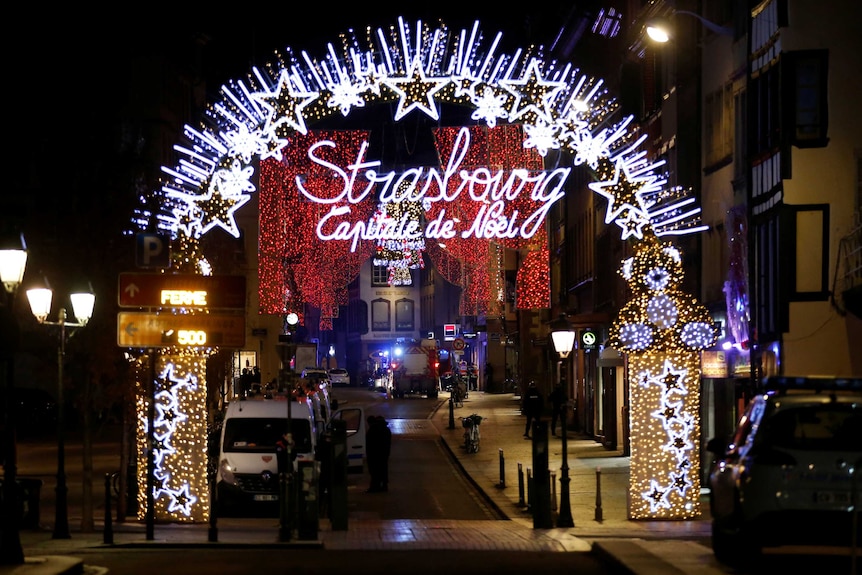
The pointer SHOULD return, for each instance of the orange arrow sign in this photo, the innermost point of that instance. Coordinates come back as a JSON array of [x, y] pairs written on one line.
[[143, 329]]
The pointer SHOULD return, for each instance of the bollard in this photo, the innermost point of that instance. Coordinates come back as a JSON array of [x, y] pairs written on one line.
[[529, 488], [502, 470], [521, 502], [451, 413], [108, 533], [553, 491], [212, 532], [598, 493]]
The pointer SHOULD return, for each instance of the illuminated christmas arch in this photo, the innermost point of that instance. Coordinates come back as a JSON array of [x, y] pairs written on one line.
[[492, 186]]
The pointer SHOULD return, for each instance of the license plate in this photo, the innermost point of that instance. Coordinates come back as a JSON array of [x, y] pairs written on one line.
[[840, 497], [261, 497]]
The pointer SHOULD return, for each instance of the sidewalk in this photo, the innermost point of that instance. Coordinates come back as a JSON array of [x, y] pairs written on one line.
[[600, 522], [599, 478]]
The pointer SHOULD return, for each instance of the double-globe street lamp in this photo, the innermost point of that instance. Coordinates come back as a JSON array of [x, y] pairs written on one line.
[[563, 336], [82, 308], [13, 260]]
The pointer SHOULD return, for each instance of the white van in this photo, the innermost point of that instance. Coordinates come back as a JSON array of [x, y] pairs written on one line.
[[247, 463], [247, 472]]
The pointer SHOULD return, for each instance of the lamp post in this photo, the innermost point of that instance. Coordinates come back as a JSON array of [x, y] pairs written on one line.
[[82, 307], [286, 506], [13, 260], [563, 336]]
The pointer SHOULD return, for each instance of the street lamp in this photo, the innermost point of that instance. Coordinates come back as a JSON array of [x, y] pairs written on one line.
[[13, 260], [659, 29], [82, 307], [563, 336]]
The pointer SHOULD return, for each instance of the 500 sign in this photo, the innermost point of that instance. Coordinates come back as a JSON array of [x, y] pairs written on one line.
[[191, 337]]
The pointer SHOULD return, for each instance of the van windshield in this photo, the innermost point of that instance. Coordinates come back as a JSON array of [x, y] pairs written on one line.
[[260, 434]]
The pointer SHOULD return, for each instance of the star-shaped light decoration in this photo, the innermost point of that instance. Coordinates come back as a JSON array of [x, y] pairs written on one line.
[[285, 105], [273, 145], [217, 209], [657, 496], [533, 94], [632, 223], [181, 499], [416, 91], [622, 192]]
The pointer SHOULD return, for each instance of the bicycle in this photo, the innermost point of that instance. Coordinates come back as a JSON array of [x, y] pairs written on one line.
[[457, 396], [471, 432]]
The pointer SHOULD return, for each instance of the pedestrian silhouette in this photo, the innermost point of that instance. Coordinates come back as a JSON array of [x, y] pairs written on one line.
[[533, 406], [558, 407], [284, 452], [378, 443]]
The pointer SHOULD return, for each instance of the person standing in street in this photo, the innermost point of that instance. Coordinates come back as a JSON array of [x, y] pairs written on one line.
[[533, 406], [378, 442], [558, 407]]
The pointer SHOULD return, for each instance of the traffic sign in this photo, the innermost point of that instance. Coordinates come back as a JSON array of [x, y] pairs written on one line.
[[144, 329], [458, 344], [589, 339], [153, 250], [181, 290]]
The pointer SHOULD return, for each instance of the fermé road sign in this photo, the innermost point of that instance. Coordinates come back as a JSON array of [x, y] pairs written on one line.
[[181, 290], [144, 329]]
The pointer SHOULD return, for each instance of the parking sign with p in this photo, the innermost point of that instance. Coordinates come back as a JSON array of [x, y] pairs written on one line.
[[152, 250]]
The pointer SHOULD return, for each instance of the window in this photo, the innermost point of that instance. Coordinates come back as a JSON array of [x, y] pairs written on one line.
[[380, 315], [718, 126], [404, 315], [807, 236], [379, 276]]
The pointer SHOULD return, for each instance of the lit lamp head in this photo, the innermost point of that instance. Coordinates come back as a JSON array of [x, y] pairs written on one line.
[[563, 336], [82, 305], [292, 319], [13, 260], [41, 297], [40, 301], [658, 29]]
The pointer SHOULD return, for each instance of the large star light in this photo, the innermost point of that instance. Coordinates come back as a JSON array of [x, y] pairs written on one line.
[[622, 193], [534, 92], [416, 91], [218, 209], [285, 105]]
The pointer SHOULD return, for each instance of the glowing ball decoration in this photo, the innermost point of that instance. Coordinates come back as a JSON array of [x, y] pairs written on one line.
[[662, 330]]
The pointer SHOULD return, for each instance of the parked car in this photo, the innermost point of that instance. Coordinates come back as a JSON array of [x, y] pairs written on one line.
[[314, 373], [790, 474], [339, 376]]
